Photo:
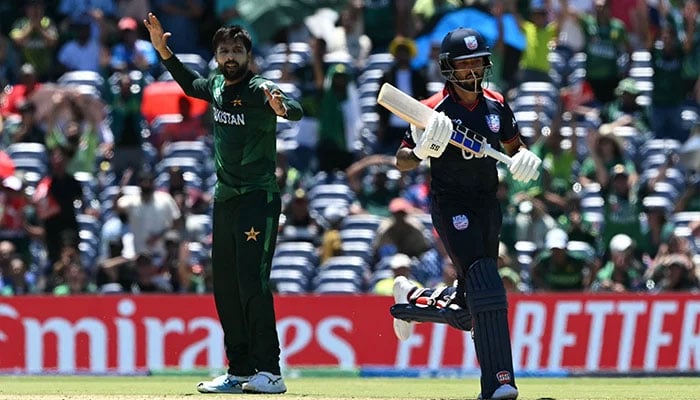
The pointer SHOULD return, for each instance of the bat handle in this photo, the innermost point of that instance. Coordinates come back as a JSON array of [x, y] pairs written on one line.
[[491, 152]]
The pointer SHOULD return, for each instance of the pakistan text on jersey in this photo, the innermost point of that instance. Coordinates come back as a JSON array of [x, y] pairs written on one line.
[[227, 118]]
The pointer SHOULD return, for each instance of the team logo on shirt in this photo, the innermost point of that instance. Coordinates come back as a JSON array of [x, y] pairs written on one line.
[[237, 102], [471, 42], [494, 122], [460, 222]]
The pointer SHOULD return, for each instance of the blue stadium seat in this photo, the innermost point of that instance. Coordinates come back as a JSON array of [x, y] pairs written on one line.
[[28, 150], [362, 221], [297, 249]]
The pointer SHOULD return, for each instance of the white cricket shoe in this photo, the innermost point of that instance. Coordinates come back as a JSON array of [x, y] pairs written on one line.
[[402, 287], [504, 392], [225, 383], [266, 383]]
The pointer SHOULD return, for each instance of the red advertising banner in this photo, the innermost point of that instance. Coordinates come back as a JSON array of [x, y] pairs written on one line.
[[562, 332]]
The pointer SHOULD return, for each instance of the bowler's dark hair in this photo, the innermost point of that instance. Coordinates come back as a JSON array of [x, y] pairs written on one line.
[[234, 32]]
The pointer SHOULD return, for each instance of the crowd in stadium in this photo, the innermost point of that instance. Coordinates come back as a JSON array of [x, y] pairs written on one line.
[[107, 170]]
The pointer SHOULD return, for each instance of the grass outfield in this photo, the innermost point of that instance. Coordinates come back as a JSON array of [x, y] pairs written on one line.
[[171, 388]]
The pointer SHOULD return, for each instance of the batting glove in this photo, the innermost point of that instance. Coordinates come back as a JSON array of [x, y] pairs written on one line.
[[525, 165], [433, 141]]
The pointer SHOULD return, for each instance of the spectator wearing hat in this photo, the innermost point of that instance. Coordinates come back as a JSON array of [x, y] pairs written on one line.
[[400, 265], [624, 110], [36, 36], [131, 53], [410, 81], [623, 272], [400, 233], [557, 269]]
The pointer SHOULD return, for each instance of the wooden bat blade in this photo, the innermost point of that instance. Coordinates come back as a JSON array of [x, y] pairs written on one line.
[[404, 106]]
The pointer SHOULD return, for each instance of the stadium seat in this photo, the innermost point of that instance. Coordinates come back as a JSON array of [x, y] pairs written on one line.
[[382, 61], [356, 234], [297, 249], [294, 262], [289, 280], [337, 288], [80, 78], [28, 150], [362, 221]]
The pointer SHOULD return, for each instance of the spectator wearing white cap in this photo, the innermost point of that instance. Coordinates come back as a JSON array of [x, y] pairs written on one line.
[[622, 272], [557, 269], [400, 265]]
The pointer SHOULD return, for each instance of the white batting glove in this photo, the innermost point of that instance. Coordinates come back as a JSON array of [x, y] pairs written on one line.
[[433, 141], [525, 165]]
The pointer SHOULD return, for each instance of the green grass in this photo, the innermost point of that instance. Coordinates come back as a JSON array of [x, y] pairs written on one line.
[[182, 387]]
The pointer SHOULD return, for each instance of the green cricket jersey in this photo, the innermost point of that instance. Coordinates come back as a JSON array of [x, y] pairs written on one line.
[[245, 128], [604, 44]]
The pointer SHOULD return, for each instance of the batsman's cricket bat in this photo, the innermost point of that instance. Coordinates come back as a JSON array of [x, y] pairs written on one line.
[[418, 114]]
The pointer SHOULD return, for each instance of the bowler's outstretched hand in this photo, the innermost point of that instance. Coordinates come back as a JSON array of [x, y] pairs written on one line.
[[159, 38], [274, 98]]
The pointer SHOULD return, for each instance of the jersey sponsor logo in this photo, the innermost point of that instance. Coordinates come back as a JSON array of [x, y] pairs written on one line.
[[227, 118], [460, 222], [503, 377], [494, 122], [471, 42]]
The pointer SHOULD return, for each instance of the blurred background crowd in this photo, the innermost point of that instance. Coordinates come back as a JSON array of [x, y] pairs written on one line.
[[106, 167]]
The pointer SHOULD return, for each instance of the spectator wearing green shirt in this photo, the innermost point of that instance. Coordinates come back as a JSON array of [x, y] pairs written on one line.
[[659, 228], [606, 45], [558, 168], [624, 110], [668, 95], [36, 36], [622, 207], [622, 272], [556, 269], [606, 151]]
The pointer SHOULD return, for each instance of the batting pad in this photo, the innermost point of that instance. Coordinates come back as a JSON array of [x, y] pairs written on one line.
[[488, 304]]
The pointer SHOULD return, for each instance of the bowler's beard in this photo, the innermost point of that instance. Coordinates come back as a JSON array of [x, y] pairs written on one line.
[[234, 72]]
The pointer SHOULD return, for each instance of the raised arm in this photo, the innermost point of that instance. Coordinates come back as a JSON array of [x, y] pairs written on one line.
[[191, 82]]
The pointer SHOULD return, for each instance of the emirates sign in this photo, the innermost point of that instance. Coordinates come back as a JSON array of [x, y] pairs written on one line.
[[550, 333]]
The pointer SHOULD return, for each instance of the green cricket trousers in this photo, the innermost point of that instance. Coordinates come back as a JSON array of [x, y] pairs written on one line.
[[244, 238]]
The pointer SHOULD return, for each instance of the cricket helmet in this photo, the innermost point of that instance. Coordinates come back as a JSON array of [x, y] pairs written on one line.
[[463, 44]]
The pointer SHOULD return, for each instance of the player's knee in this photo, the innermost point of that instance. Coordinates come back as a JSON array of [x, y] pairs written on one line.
[[485, 290]]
